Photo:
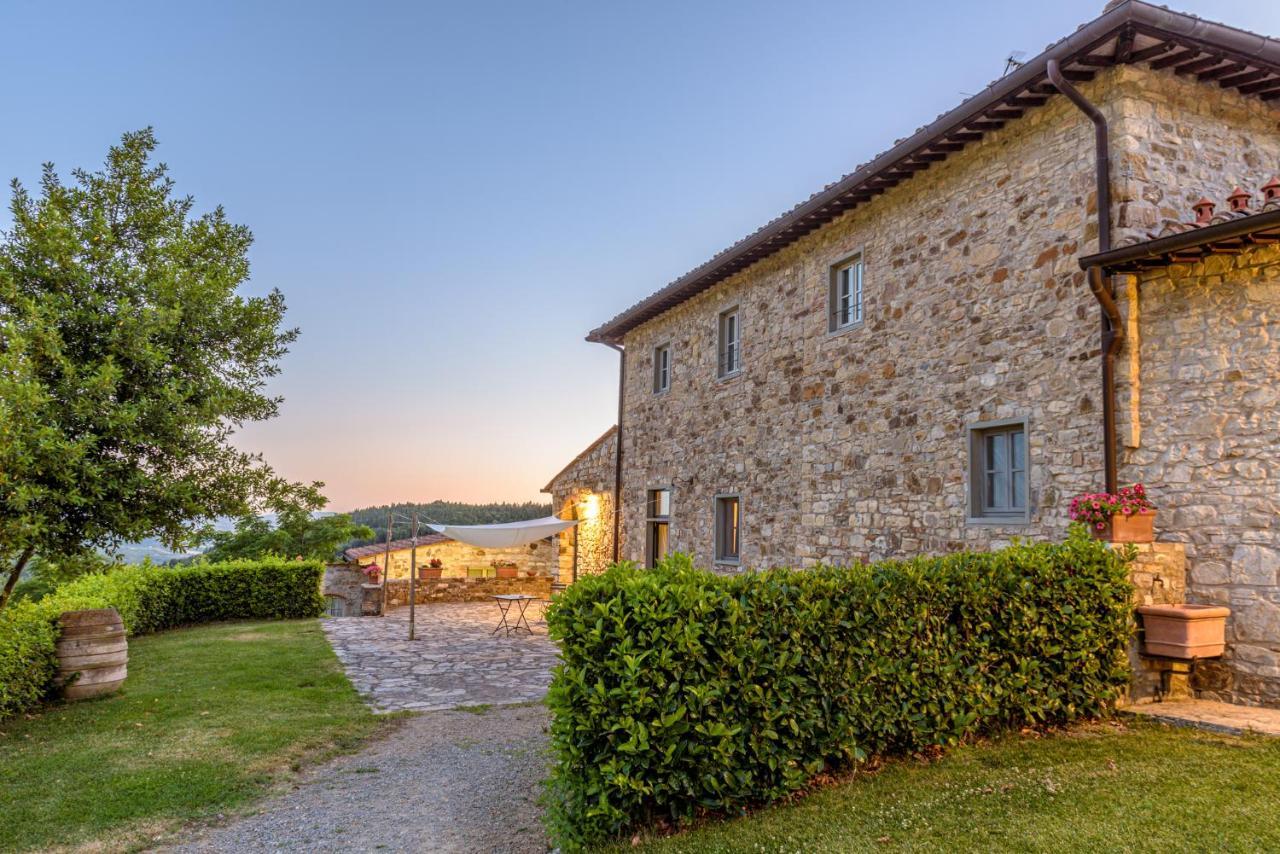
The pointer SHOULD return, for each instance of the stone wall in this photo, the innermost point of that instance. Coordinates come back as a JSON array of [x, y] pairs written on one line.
[[1159, 576], [583, 490], [1209, 447], [854, 445], [458, 558], [1199, 400], [465, 589], [347, 582]]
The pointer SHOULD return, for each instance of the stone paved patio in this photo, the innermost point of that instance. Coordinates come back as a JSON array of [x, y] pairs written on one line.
[[1211, 715], [455, 661]]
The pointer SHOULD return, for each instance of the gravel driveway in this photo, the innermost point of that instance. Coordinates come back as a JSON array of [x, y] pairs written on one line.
[[442, 781]]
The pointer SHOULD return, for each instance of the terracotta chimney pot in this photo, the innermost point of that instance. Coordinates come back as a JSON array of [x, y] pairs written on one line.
[[1271, 189], [1239, 199], [1204, 211]]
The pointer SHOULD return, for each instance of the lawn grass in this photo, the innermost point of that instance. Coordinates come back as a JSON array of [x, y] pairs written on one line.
[[210, 718], [1105, 787]]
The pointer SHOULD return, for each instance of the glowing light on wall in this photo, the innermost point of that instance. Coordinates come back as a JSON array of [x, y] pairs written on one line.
[[589, 506]]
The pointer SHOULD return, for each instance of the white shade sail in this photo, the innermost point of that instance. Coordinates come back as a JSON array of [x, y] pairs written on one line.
[[506, 534]]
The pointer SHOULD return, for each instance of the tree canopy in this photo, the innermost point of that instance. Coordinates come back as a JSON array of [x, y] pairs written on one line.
[[128, 358], [297, 532], [442, 513]]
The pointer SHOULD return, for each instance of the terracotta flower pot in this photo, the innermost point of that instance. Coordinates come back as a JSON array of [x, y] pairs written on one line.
[[508, 572], [430, 571], [1138, 528], [1184, 631]]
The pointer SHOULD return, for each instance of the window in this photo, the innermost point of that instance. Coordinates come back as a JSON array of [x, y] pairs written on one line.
[[658, 526], [998, 471], [728, 519], [845, 303], [661, 368], [730, 347]]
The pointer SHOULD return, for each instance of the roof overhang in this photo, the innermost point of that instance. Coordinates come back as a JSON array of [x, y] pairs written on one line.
[[1225, 238], [1131, 32]]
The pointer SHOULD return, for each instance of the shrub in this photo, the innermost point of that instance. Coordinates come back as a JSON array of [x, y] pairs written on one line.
[[150, 599], [27, 662], [681, 691]]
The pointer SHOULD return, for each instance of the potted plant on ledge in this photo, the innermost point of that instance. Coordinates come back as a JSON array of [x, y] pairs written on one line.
[[505, 568], [1127, 516], [432, 570]]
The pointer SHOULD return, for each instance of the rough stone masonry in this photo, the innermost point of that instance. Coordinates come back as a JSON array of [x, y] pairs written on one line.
[[855, 445]]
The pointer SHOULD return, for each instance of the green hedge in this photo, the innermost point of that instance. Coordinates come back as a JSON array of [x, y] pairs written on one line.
[[150, 599], [681, 691]]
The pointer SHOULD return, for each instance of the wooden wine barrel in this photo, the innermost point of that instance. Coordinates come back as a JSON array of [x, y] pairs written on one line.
[[93, 645]]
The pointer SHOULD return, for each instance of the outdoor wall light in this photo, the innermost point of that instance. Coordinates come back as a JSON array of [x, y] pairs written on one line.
[[589, 506]]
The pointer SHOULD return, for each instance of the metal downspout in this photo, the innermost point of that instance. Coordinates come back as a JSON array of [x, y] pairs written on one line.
[[1112, 324], [617, 462]]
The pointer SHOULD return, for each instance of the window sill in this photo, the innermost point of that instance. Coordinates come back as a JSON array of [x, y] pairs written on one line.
[[732, 375], [998, 521], [662, 392], [724, 561], [848, 327]]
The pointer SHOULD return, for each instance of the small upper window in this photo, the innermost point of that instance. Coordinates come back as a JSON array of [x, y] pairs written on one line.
[[998, 479], [730, 346], [728, 529], [661, 368], [845, 302]]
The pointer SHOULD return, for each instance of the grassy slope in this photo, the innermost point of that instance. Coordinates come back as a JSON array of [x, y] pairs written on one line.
[[1141, 787], [210, 717]]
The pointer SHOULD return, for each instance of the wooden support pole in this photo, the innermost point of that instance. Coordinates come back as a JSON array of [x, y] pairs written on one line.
[[413, 575], [386, 564]]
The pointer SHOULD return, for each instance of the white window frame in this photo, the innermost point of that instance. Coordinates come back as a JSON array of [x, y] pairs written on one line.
[[729, 343], [846, 294], [661, 368]]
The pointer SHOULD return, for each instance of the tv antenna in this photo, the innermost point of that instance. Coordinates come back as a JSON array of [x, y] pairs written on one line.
[[1014, 61]]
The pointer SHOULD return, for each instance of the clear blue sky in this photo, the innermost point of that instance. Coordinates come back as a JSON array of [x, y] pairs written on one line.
[[451, 195]]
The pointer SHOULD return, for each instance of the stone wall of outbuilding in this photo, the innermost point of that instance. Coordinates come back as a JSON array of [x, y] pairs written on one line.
[[583, 490], [461, 560]]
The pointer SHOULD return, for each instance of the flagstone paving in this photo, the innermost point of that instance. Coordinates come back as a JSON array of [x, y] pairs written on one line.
[[456, 659], [1212, 715]]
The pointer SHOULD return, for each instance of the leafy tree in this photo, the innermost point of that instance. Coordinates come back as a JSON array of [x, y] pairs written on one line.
[[443, 513], [297, 533], [127, 361]]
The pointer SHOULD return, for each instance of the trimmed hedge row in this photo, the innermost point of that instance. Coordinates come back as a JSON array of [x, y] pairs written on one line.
[[150, 599], [681, 691]]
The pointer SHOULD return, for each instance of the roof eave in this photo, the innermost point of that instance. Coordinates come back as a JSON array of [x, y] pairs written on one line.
[[1232, 236], [1150, 20]]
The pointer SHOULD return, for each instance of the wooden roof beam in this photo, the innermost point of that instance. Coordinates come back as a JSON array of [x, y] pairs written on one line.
[[1241, 79], [1215, 73], [1175, 58], [1152, 52], [1260, 86], [1198, 65]]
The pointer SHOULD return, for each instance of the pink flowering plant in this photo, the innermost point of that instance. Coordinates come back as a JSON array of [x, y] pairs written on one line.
[[1095, 509]]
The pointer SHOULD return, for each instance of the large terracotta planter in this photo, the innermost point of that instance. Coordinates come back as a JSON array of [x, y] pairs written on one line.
[[508, 571], [430, 571], [1184, 631], [1138, 528]]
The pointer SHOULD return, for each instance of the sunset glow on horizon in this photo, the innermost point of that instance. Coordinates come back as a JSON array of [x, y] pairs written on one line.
[[450, 196]]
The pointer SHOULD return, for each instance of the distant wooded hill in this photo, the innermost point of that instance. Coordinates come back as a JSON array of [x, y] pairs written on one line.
[[443, 513]]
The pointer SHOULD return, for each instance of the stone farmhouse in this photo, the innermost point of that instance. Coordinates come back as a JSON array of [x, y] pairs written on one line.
[[1068, 282]]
